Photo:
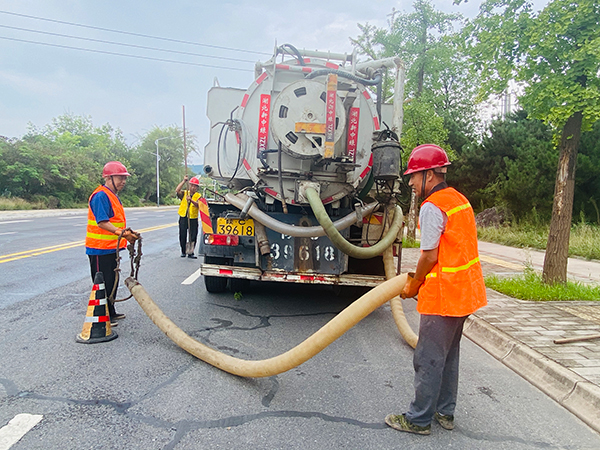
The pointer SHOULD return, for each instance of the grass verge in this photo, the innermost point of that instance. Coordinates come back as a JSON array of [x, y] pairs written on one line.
[[14, 204], [529, 286], [584, 238]]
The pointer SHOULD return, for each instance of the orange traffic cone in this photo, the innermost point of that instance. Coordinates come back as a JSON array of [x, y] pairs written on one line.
[[96, 327]]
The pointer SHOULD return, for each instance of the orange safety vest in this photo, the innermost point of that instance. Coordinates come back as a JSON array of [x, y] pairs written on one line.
[[101, 239], [455, 285]]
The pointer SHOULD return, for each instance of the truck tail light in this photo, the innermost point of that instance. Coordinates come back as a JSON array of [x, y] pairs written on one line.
[[221, 239]]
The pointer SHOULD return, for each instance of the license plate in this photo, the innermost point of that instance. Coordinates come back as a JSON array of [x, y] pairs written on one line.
[[236, 227]]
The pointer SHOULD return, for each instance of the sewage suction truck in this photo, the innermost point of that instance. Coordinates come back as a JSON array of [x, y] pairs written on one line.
[[311, 158], [312, 164]]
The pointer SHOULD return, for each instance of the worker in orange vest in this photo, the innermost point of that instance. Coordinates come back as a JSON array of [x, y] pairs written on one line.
[[449, 283], [106, 222]]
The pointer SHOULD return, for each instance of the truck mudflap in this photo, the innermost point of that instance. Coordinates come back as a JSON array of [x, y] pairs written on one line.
[[248, 273]]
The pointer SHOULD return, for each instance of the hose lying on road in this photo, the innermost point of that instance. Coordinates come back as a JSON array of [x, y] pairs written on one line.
[[336, 327]]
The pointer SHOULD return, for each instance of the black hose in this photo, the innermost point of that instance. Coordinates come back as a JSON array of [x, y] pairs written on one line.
[[379, 95], [294, 53], [375, 81], [279, 175]]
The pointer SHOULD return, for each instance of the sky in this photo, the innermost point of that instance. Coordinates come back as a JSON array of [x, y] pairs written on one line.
[[202, 41]]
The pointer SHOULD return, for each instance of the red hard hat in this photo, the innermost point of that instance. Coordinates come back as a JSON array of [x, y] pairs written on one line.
[[195, 181], [114, 168], [425, 157]]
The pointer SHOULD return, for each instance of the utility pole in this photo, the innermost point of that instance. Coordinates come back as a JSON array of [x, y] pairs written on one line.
[[158, 172], [184, 141]]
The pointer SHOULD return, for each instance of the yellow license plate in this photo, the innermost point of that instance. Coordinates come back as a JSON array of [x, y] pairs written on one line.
[[236, 227]]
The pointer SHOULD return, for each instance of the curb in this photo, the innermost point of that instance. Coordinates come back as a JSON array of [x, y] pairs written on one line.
[[564, 386]]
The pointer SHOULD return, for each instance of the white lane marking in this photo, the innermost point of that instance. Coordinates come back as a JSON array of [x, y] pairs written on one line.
[[15, 221], [8, 232], [70, 218], [193, 277], [11, 433]]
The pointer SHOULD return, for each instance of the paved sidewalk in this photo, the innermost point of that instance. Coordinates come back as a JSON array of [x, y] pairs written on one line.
[[521, 333]]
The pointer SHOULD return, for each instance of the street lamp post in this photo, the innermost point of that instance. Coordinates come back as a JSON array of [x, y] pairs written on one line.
[[157, 171]]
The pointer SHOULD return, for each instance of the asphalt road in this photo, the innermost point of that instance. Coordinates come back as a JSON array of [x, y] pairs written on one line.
[[140, 391]]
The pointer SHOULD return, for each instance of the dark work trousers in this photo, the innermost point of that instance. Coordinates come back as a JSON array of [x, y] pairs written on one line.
[[107, 265], [183, 232], [435, 361]]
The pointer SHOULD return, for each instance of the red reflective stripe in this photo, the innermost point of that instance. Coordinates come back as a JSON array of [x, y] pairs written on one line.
[[376, 122], [368, 168], [282, 67], [245, 100], [261, 78], [225, 271]]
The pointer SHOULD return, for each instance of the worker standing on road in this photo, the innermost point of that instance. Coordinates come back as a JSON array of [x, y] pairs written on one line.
[[449, 283], [188, 216], [106, 222]]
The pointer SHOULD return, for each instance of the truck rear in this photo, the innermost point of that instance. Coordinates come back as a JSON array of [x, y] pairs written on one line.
[[305, 151]]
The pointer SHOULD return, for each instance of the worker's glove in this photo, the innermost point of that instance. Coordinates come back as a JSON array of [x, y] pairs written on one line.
[[129, 234], [411, 288]]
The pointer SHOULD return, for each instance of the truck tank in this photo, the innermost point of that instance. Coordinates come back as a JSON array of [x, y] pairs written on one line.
[[308, 119], [306, 136]]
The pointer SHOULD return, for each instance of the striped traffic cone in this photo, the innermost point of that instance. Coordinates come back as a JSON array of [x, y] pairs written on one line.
[[96, 327]]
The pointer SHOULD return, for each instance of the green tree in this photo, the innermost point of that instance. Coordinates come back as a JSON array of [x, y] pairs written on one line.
[[555, 54], [61, 163], [515, 157], [171, 162], [587, 179], [437, 73]]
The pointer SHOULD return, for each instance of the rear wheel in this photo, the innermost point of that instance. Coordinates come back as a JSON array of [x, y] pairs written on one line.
[[214, 285], [353, 292], [239, 284]]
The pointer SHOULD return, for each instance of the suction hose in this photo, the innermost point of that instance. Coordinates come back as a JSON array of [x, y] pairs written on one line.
[[396, 303], [382, 247], [336, 327], [340, 242], [239, 201]]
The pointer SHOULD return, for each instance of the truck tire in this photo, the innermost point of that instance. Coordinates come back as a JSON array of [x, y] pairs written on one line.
[[239, 285], [214, 285]]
